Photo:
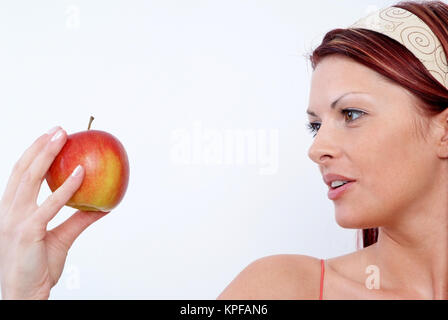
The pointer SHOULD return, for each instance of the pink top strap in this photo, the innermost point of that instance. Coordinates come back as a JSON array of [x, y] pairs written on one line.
[[322, 268]]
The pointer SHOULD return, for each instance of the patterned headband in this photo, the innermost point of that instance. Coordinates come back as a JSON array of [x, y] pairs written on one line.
[[414, 34]]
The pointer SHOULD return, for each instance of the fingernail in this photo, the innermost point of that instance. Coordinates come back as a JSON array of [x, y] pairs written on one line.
[[77, 171], [57, 135], [53, 130]]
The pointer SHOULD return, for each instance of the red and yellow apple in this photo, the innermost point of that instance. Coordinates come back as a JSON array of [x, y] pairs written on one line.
[[106, 167]]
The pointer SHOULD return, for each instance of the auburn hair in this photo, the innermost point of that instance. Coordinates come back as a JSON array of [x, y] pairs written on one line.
[[395, 62]]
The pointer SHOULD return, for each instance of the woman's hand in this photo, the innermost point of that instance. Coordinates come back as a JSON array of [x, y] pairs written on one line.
[[32, 258]]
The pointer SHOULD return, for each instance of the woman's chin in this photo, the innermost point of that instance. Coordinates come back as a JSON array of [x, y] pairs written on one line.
[[349, 219]]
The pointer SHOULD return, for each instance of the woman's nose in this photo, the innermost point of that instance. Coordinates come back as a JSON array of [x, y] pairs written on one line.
[[318, 155], [324, 147]]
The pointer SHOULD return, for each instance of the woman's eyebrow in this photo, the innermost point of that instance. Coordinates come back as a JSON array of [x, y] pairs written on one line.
[[335, 102]]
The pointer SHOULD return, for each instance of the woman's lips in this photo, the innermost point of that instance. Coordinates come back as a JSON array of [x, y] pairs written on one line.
[[334, 194]]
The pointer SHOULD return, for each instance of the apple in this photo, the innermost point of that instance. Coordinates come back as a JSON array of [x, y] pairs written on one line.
[[106, 167]]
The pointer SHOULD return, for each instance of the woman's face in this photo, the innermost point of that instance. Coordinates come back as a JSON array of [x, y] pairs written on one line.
[[380, 147]]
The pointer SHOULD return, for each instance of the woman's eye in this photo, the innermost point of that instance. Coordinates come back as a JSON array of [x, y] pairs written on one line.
[[313, 127], [350, 112]]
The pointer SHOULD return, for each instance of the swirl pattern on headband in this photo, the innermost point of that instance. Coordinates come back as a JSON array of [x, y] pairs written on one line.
[[409, 30]]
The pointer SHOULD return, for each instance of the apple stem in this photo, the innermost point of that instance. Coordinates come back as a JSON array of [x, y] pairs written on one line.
[[90, 122]]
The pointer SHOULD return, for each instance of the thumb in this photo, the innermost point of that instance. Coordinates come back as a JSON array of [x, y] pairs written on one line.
[[70, 229]]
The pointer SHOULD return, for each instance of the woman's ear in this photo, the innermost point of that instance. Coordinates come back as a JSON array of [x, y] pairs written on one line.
[[441, 133]]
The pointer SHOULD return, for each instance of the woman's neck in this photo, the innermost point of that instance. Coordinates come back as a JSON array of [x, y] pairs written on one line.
[[416, 260]]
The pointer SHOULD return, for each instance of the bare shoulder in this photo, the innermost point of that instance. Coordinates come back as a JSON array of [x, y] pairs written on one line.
[[281, 276]]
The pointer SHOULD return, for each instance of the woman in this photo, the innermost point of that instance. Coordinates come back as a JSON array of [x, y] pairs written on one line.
[[380, 117]]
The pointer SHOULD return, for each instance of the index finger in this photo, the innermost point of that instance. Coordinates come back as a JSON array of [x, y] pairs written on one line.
[[23, 163]]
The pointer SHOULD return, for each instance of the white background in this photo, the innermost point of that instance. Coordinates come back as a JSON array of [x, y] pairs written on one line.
[[147, 69]]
